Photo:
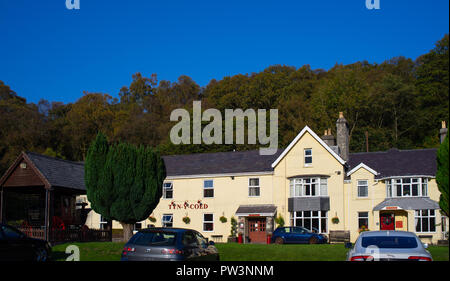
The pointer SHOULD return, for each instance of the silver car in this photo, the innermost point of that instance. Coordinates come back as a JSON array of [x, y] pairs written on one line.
[[388, 246]]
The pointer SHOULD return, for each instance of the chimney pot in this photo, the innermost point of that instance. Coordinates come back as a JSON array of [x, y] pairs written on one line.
[[443, 132], [342, 136]]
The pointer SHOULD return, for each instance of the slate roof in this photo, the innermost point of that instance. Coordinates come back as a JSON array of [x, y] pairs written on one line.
[[390, 163], [413, 203], [219, 163], [394, 162], [58, 172], [256, 209]]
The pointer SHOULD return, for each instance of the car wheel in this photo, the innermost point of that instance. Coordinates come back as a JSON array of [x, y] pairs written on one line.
[[313, 240], [279, 240], [41, 254]]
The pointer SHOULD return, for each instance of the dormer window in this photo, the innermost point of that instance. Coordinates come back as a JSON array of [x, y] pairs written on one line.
[[307, 157]]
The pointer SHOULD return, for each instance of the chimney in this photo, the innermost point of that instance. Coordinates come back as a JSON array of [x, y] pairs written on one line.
[[328, 138], [342, 136], [443, 132]]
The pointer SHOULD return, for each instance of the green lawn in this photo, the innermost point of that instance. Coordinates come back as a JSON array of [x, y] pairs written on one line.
[[110, 251]]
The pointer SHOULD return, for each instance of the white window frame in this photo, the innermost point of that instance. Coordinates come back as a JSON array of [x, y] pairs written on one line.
[[204, 188], [211, 221], [255, 187], [298, 186], [294, 218], [307, 156], [165, 188], [393, 183], [418, 215], [103, 222], [360, 217], [360, 185], [163, 222]]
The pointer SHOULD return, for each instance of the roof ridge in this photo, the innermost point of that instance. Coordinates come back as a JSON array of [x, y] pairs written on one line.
[[54, 158], [218, 152], [390, 149]]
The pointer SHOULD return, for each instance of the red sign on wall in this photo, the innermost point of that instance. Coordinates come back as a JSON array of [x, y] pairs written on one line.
[[391, 208], [398, 224]]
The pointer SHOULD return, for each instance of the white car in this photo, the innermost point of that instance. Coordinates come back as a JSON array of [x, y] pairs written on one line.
[[388, 246]]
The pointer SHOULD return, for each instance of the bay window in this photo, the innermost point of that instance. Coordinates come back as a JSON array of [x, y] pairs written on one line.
[[308, 187], [315, 221], [406, 187]]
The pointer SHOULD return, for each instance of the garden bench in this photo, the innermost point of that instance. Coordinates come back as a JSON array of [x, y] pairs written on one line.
[[339, 236]]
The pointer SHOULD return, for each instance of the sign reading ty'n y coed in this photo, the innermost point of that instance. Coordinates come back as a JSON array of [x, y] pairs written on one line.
[[199, 205]]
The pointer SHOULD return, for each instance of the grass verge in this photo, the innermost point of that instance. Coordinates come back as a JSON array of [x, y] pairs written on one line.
[[110, 251]]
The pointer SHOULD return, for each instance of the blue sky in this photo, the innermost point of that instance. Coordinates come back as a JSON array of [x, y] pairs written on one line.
[[50, 52]]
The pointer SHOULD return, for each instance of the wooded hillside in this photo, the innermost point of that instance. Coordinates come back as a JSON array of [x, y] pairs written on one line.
[[400, 102]]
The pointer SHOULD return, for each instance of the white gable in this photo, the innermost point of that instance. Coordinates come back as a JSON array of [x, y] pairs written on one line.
[[362, 165], [316, 137]]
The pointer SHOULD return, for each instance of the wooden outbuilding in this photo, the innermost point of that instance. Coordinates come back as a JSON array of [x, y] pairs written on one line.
[[38, 195]]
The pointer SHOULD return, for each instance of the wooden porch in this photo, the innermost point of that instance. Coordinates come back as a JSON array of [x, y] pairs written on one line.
[[38, 196]]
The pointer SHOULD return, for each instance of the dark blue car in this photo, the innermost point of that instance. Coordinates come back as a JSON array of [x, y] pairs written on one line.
[[296, 234]]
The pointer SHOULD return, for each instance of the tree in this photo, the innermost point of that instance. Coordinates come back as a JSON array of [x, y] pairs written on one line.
[[123, 182], [90, 114], [432, 83], [442, 175]]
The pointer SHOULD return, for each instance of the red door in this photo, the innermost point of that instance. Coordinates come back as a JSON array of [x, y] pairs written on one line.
[[387, 221], [257, 230]]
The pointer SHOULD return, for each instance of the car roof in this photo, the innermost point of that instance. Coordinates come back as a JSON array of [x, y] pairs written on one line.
[[387, 233], [168, 229]]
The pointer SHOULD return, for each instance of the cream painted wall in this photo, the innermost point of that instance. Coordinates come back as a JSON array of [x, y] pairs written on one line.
[[323, 163], [230, 193]]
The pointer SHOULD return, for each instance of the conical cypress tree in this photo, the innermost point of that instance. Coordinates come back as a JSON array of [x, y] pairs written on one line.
[[94, 165], [125, 182]]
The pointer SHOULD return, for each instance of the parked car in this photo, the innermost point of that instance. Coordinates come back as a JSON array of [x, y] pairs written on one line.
[[297, 234], [388, 246], [169, 244], [16, 246]]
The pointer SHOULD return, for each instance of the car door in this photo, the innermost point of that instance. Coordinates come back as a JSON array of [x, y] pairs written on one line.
[[191, 246], [17, 244], [203, 247], [300, 235], [5, 248], [289, 236]]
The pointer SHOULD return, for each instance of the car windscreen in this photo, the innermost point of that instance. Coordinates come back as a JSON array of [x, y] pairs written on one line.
[[395, 242], [154, 238]]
